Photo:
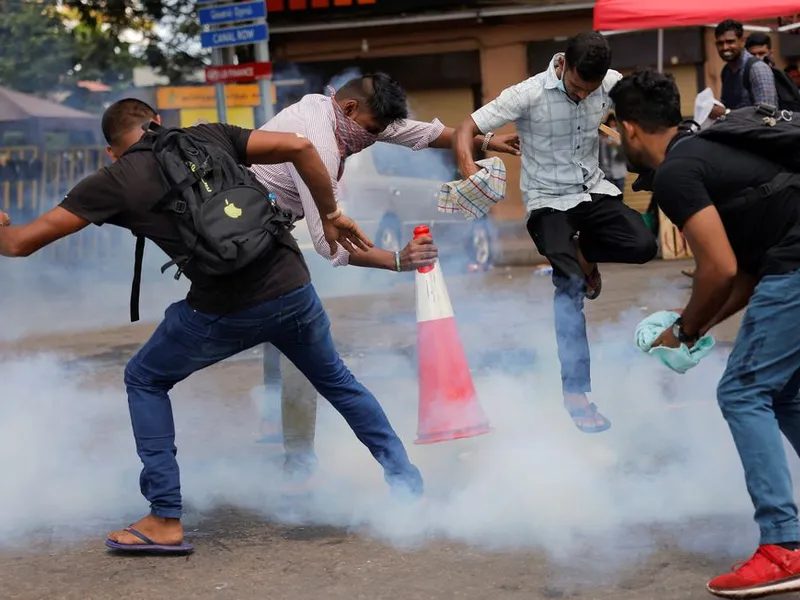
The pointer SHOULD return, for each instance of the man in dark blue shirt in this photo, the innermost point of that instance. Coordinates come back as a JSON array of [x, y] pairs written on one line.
[[735, 94]]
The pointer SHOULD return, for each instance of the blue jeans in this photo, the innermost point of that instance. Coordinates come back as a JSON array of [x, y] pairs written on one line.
[[611, 232], [187, 341], [758, 398]]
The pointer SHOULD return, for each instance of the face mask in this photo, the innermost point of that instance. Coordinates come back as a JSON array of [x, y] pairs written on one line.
[[560, 85], [351, 137]]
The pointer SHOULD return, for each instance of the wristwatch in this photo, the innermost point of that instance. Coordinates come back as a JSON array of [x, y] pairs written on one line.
[[680, 334]]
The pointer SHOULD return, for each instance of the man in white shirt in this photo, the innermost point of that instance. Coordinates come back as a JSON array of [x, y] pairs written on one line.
[[575, 216], [368, 109]]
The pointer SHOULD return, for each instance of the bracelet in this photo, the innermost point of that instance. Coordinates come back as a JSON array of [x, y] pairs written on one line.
[[397, 262], [335, 214], [486, 138]]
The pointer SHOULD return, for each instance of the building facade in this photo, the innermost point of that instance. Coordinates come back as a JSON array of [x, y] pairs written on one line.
[[454, 55]]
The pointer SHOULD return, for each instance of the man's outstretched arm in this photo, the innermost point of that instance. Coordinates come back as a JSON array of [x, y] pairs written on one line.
[[508, 107], [24, 240]]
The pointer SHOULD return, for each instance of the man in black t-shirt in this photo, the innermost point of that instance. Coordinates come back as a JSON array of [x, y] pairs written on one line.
[[747, 255], [271, 300]]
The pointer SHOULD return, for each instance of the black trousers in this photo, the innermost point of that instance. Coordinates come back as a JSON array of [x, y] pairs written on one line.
[[610, 231]]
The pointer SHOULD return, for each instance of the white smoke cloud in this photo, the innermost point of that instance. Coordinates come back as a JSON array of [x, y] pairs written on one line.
[[534, 481]]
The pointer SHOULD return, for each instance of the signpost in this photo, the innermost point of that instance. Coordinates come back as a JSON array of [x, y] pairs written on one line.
[[231, 13], [234, 36], [237, 24], [241, 73]]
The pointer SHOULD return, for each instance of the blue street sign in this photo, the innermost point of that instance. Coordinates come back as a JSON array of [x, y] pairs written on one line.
[[231, 13], [235, 36]]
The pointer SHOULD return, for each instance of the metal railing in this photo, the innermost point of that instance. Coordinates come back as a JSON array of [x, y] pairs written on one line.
[[33, 181]]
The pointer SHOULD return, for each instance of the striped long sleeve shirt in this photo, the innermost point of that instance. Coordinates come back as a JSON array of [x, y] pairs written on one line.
[[313, 117]]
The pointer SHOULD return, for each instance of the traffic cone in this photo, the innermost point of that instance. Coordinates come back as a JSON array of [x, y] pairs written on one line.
[[448, 404]]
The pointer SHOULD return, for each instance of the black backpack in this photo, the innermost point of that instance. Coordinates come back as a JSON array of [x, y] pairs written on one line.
[[761, 130], [224, 215], [788, 94]]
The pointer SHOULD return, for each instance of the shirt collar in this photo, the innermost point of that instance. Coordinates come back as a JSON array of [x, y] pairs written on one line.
[[550, 78], [742, 60]]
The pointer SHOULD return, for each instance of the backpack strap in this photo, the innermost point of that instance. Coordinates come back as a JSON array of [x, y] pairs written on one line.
[[748, 67], [136, 286], [765, 190]]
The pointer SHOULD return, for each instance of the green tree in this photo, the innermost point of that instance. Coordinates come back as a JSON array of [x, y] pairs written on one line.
[[169, 28], [36, 53]]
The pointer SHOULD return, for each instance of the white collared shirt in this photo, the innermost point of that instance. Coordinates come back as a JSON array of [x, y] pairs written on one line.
[[559, 138], [313, 117]]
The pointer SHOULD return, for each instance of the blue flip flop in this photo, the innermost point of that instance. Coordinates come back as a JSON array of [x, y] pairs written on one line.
[[149, 546], [586, 413]]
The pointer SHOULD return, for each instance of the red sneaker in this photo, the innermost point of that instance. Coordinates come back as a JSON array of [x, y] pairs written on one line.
[[771, 570]]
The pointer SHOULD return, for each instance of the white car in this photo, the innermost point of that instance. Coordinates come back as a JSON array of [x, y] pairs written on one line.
[[389, 190]]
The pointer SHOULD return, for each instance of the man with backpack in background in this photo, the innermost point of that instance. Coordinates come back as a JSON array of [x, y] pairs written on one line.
[[189, 191], [733, 190], [746, 80], [369, 109], [759, 44]]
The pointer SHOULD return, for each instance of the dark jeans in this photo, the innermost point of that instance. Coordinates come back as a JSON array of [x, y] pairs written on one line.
[[610, 231], [187, 341], [758, 395]]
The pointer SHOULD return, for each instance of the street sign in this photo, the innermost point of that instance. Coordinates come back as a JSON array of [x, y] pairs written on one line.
[[235, 36], [243, 73], [231, 13]]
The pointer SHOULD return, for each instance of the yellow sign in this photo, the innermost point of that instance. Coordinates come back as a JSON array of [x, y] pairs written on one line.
[[243, 117], [203, 96]]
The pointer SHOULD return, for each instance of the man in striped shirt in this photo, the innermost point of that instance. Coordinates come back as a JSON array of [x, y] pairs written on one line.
[[368, 109]]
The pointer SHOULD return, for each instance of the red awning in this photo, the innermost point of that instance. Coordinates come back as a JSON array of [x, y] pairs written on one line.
[[618, 15]]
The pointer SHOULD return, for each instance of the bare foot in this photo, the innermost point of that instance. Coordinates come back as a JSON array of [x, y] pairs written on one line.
[[167, 532], [585, 414]]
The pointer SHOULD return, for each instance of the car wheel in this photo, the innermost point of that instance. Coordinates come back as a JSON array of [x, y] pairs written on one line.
[[480, 245], [388, 236]]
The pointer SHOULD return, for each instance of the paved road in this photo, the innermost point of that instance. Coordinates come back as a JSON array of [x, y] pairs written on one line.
[[648, 510]]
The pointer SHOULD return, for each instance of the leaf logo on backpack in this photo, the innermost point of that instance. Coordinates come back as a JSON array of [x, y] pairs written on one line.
[[226, 218]]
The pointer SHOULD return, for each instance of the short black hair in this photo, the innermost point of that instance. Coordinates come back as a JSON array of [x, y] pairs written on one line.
[[791, 67], [729, 25], [589, 54], [123, 116], [649, 99], [758, 38], [385, 97]]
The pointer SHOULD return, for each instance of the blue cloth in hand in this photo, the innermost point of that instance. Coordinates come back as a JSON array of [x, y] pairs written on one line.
[[678, 359]]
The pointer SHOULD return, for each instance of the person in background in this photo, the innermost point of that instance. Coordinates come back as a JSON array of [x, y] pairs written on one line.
[[747, 252], [612, 158], [759, 44], [761, 89], [365, 110], [793, 71], [576, 218]]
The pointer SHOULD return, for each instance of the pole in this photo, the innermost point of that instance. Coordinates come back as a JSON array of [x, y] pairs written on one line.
[[660, 50], [222, 109], [266, 110]]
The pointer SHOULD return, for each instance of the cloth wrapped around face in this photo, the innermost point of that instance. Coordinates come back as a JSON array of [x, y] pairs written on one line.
[[474, 196]]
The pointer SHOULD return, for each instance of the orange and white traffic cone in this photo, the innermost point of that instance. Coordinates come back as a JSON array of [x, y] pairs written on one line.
[[448, 404]]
